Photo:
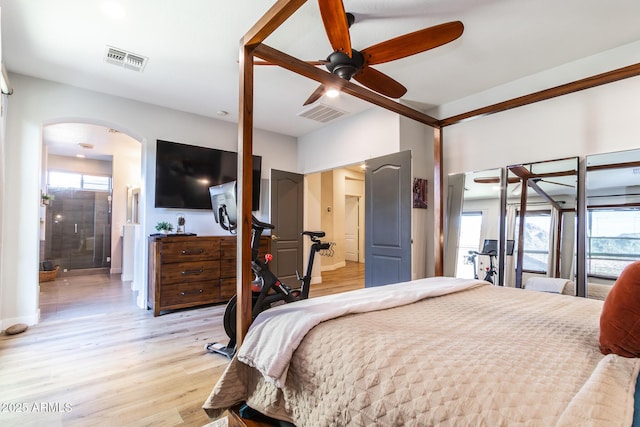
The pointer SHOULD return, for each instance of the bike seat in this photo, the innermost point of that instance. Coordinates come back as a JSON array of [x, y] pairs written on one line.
[[313, 233], [256, 223]]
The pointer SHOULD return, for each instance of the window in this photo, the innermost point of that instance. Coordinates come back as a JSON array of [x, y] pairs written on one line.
[[470, 226], [78, 181], [537, 228], [613, 240]]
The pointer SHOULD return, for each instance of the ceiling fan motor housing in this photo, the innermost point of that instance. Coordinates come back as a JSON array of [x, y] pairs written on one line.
[[344, 67]]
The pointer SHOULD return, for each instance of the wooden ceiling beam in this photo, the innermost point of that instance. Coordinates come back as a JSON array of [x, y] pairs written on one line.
[[270, 21], [534, 185], [614, 166], [302, 68], [565, 89]]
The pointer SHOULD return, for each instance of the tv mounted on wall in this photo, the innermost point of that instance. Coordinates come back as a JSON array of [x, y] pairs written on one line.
[[184, 174]]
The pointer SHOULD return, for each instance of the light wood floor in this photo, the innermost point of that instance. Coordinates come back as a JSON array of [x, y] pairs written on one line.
[[96, 359]]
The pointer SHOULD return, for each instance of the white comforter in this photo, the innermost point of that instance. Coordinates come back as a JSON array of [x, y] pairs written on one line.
[[276, 333]]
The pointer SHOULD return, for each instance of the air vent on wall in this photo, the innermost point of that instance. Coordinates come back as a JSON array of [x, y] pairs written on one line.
[[125, 59], [322, 113]]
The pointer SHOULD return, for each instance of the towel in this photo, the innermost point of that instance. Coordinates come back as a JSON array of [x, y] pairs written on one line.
[[546, 284]]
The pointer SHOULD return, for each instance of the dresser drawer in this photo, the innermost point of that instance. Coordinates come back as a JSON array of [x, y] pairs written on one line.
[[192, 271], [193, 250], [227, 288], [188, 294]]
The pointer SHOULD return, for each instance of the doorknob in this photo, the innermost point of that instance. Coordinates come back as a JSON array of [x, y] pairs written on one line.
[[274, 237]]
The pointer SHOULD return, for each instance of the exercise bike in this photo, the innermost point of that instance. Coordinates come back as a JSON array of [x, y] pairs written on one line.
[[266, 289], [491, 270]]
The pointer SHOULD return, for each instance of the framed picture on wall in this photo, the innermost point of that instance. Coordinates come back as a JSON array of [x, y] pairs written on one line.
[[420, 193]]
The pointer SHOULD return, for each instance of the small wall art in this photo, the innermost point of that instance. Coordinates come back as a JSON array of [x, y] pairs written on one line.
[[420, 193]]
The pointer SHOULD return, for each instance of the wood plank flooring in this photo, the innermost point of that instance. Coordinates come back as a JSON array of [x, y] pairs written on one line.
[[97, 359]]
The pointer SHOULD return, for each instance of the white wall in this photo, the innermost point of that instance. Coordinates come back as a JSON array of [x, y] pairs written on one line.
[[38, 102], [598, 120], [418, 138], [350, 140]]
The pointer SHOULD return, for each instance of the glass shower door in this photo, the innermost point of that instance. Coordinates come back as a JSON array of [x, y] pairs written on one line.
[[78, 229]]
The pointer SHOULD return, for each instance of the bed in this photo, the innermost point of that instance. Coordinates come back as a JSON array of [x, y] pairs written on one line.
[[566, 287], [437, 351]]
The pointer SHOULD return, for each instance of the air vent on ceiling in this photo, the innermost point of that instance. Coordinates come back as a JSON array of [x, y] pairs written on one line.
[[125, 59], [322, 113]]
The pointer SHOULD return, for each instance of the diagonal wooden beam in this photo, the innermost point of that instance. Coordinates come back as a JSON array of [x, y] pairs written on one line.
[[297, 66], [270, 21], [565, 89], [531, 183]]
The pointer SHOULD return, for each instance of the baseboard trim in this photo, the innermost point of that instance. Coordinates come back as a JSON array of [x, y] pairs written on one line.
[[142, 303], [333, 266], [31, 320]]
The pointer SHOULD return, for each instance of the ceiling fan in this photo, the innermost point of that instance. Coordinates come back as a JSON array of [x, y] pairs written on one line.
[[346, 62]]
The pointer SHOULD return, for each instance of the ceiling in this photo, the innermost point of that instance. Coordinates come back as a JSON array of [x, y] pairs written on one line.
[[192, 48]]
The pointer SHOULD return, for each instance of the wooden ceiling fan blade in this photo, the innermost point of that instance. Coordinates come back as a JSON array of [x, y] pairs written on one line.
[[412, 43], [336, 26], [495, 180], [487, 180], [317, 94], [380, 82], [520, 171]]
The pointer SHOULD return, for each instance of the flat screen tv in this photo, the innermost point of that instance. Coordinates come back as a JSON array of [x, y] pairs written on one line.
[[184, 174]]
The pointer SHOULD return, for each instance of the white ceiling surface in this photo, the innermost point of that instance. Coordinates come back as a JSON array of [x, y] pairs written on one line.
[[193, 45]]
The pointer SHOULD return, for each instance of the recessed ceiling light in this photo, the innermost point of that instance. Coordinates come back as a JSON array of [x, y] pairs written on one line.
[[80, 156], [222, 113], [113, 10]]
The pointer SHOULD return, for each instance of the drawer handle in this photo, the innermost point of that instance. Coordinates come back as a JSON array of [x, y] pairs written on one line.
[[183, 293], [187, 272], [192, 251]]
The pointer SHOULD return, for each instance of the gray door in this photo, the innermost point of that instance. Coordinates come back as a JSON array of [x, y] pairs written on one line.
[[286, 215], [388, 219]]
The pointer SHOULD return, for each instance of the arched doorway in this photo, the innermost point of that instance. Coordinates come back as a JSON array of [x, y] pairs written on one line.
[[89, 172]]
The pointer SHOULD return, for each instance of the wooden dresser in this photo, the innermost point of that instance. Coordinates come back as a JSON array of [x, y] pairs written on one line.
[[187, 271]]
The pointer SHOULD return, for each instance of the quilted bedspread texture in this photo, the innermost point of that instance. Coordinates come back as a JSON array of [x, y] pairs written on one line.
[[485, 356]]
